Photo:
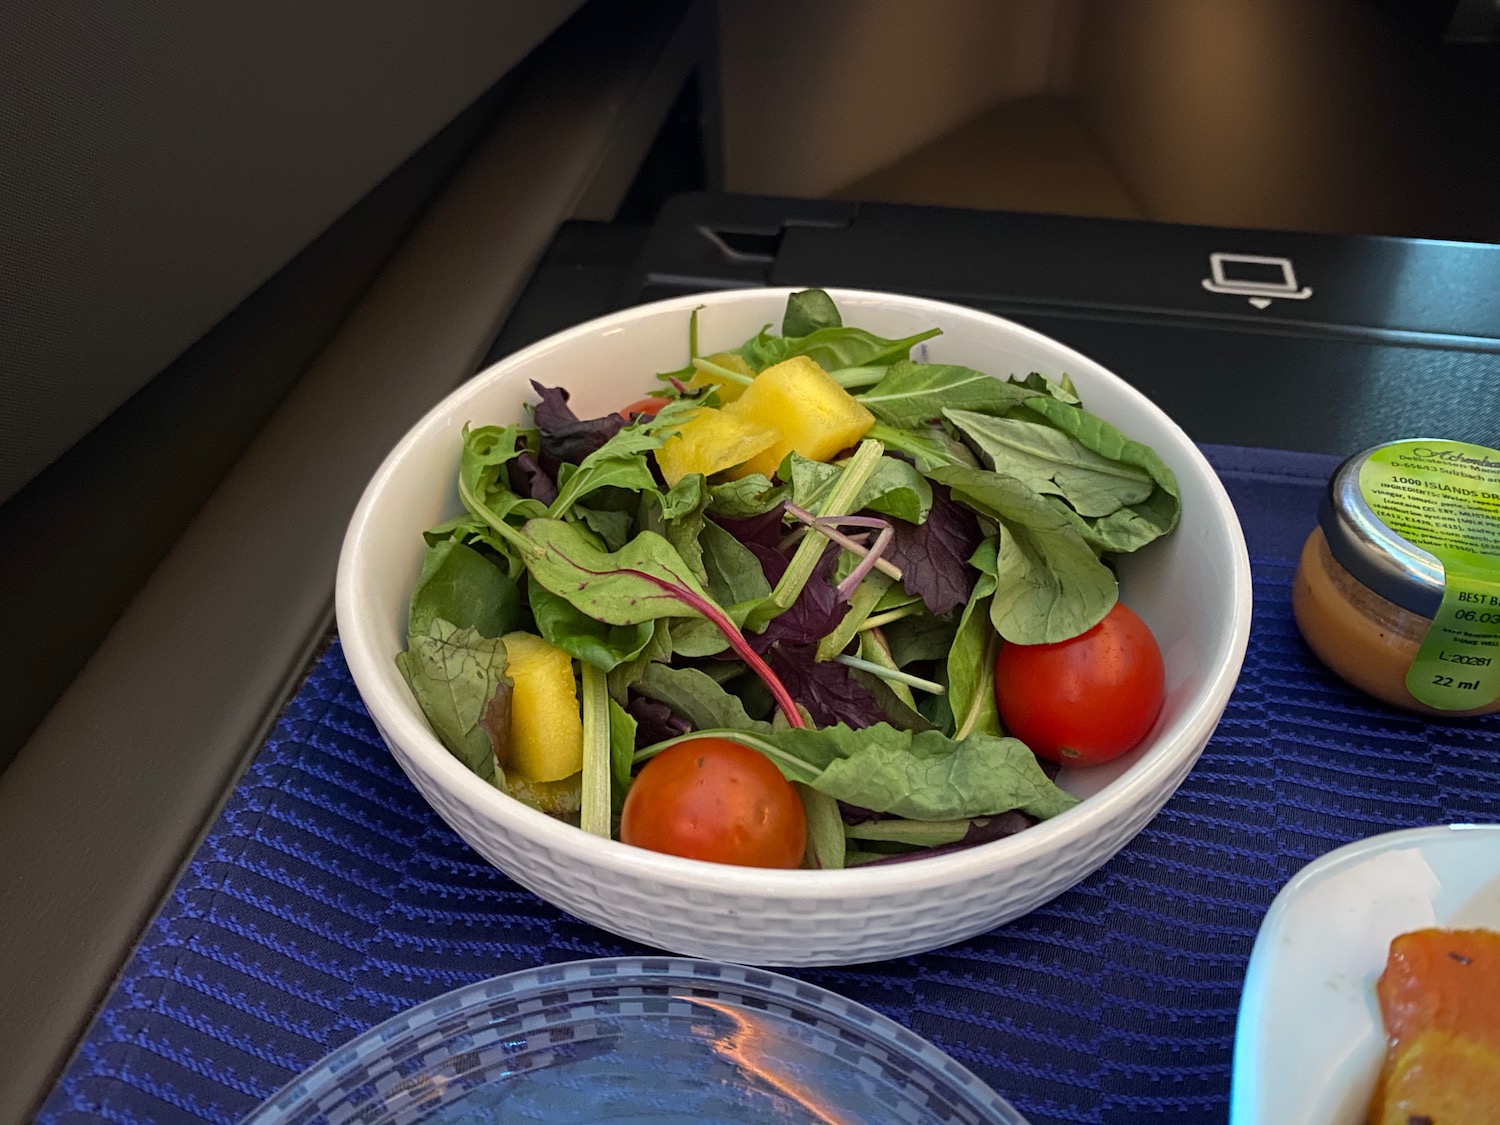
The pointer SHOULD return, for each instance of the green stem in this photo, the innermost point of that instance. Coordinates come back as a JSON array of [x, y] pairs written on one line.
[[891, 674], [708, 367], [985, 687], [890, 615], [853, 378], [838, 502], [594, 815]]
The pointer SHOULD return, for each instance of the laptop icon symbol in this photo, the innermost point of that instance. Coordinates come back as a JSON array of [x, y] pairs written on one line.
[[1255, 276]]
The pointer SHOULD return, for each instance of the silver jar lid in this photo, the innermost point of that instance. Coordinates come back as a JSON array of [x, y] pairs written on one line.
[[1376, 556]]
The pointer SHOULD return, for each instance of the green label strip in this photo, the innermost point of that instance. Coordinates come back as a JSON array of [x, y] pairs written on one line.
[[1444, 496]]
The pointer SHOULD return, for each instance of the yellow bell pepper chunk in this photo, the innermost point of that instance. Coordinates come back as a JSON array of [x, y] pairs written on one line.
[[729, 390], [817, 417], [711, 441], [546, 724]]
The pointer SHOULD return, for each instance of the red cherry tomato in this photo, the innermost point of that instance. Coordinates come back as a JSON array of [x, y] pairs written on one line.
[[647, 406], [1084, 700], [716, 800]]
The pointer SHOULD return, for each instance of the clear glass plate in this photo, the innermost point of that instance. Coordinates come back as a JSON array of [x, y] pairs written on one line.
[[636, 1040]]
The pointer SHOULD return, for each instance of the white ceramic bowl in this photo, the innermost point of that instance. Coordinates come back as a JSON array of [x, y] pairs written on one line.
[[1192, 588]]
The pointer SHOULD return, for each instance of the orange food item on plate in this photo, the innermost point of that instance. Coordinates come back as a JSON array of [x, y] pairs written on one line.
[[1440, 998]]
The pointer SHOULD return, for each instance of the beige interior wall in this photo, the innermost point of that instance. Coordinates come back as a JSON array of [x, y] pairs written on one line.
[[1257, 113], [817, 94]]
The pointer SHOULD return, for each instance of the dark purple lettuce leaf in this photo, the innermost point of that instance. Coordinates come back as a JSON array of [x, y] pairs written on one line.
[[529, 479], [654, 722], [934, 556], [993, 828], [764, 530], [815, 613], [564, 436], [824, 688], [772, 562]]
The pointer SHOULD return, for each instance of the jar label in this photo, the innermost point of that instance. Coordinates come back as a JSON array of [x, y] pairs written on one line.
[[1444, 496]]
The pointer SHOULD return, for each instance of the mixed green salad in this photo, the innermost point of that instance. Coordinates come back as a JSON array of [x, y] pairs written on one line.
[[834, 599]]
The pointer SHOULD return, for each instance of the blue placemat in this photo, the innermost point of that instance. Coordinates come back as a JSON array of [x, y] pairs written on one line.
[[328, 896]]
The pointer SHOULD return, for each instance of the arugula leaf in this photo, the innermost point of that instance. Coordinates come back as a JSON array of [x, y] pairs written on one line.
[[894, 488], [918, 775], [934, 556], [914, 393], [1047, 460], [809, 310], [458, 677], [461, 586], [1050, 585], [564, 626], [696, 697]]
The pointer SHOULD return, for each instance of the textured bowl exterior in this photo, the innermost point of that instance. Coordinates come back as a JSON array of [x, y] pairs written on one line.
[[1193, 588]]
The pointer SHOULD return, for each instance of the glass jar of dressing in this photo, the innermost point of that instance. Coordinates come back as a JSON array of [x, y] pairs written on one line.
[[1398, 587]]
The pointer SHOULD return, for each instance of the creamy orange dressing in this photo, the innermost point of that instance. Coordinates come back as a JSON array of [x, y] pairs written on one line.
[[1364, 638]]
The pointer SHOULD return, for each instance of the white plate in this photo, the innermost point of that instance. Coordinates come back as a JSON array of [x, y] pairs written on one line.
[[1310, 1040]]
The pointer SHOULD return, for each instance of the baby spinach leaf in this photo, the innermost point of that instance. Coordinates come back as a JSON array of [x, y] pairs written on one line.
[[830, 348], [618, 463], [971, 661], [564, 626], [612, 526], [621, 747], [735, 577], [809, 310], [825, 830], [749, 496], [1047, 460], [1050, 585], [696, 697], [919, 637], [918, 775], [914, 393], [1144, 520], [894, 488], [461, 586], [930, 447], [455, 675]]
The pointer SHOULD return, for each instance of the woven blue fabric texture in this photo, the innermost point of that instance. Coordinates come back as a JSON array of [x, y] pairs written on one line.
[[328, 896]]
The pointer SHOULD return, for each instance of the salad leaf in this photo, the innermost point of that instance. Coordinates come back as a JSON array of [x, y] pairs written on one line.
[[809, 310], [920, 637], [529, 480], [621, 747], [1049, 461], [816, 611], [619, 463], [831, 348], [623, 587], [934, 556], [655, 722], [696, 697], [458, 677], [930, 448], [1050, 585], [971, 660], [462, 586], [825, 830], [920, 776], [866, 597], [826, 689], [564, 437], [894, 488], [1141, 522], [613, 527], [564, 626], [735, 576], [749, 496], [914, 393]]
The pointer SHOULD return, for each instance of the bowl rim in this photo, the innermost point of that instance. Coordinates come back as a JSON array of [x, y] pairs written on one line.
[[1141, 783]]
